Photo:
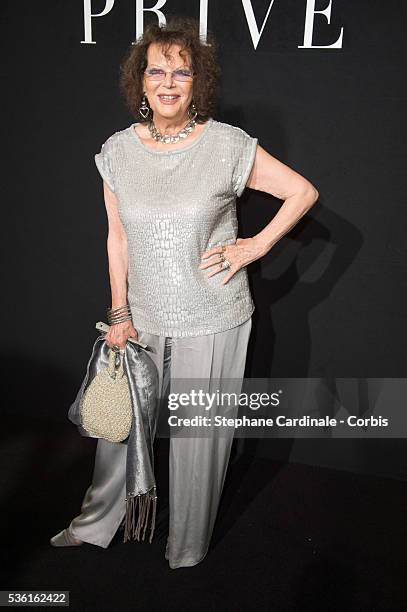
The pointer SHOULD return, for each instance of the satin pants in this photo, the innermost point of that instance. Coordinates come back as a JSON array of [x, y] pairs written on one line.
[[197, 465]]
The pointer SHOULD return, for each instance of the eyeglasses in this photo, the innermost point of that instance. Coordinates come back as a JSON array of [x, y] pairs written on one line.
[[158, 74]]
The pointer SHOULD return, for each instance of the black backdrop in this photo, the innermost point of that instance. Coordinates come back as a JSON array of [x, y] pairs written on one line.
[[330, 296]]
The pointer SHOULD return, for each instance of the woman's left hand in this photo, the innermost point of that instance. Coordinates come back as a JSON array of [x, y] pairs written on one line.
[[240, 254]]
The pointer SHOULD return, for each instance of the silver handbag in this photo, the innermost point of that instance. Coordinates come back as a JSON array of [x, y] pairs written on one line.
[[106, 408]]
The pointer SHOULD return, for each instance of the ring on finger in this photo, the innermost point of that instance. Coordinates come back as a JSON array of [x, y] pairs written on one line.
[[224, 264]]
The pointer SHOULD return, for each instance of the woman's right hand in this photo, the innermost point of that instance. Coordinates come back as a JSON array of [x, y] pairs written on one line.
[[119, 332]]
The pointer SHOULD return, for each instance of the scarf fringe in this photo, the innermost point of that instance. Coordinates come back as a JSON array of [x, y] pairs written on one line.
[[132, 530]]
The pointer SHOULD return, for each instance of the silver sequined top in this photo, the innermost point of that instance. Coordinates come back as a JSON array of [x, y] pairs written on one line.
[[174, 205]]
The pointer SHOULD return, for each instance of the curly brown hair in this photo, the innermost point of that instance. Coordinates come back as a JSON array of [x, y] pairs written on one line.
[[183, 31]]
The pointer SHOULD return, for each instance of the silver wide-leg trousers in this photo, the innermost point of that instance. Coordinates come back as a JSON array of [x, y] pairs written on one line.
[[197, 465]]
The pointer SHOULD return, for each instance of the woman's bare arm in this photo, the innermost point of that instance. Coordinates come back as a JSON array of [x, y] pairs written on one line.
[[116, 249], [118, 268], [273, 176]]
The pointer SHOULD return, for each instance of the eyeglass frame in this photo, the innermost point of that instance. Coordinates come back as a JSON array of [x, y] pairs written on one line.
[[168, 71]]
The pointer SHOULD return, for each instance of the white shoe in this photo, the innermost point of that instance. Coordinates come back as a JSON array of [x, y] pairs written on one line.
[[65, 538]]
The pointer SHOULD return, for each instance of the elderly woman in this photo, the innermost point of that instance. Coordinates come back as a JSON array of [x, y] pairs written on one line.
[[177, 269]]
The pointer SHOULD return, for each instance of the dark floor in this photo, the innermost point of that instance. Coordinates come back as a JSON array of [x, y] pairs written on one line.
[[288, 537]]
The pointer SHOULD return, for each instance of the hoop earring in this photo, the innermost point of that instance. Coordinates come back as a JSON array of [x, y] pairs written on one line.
[[192, 111], [144, 110]]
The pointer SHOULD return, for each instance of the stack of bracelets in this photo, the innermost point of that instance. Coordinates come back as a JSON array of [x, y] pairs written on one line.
[[118, 315]]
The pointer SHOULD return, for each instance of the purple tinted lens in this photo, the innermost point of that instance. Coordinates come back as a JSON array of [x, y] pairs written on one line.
[[155, 73], [182, 75]]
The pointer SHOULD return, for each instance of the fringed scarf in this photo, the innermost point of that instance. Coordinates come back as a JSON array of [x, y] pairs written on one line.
[[132, 530], [142, 376]]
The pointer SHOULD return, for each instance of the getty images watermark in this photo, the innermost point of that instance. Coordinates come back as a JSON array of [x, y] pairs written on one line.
[[284, 407]]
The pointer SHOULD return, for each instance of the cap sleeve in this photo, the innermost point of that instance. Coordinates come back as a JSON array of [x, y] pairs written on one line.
[[244, 153], [104, 163]]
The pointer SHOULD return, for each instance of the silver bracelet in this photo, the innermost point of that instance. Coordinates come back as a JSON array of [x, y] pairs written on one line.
[[118, 315]]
